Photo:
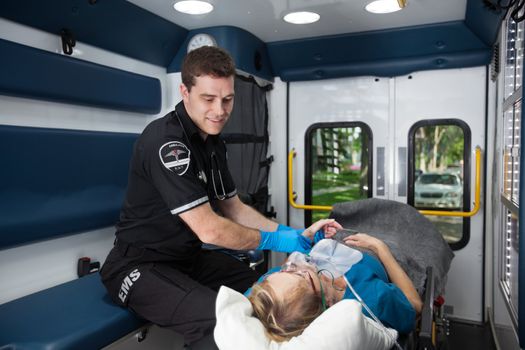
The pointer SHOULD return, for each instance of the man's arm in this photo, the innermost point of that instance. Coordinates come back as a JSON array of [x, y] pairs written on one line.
[[243, 214], [214, 229]]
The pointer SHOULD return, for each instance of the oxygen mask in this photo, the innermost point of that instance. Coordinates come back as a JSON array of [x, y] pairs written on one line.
[[336, 258], [298, 261]]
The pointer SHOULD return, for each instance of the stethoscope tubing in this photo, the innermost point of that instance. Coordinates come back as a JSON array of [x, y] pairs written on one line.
[[200, 167]]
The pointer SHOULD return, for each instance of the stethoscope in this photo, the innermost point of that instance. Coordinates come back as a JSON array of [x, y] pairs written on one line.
[[201, 174]]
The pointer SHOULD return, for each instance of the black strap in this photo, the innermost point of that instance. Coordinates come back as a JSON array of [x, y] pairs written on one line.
[[68, 41], [266, 163], [251, 79]]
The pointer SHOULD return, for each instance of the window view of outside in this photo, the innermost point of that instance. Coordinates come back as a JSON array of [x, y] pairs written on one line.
[[509, 200], [439, 175], [339, 166]]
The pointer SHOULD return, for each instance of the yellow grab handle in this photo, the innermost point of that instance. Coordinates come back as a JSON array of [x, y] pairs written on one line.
[[476, 195], [291, 193]]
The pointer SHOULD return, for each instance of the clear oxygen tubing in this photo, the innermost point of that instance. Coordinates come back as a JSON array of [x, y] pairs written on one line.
[[372, 314], [323, 258]]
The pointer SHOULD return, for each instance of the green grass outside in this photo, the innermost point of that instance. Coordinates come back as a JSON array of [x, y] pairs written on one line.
[[326, 179], [329, 180]]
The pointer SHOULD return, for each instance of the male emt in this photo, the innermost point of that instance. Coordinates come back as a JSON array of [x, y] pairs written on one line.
[[178, 176]]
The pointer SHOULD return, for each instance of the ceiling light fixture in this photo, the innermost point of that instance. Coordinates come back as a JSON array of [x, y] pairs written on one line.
[[303, 17], [193, 7], [385, 6]]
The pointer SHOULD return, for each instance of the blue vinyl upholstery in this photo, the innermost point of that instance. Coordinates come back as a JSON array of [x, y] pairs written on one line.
[[117, 25], [56, 182], [33, 73], [161, 42], [74, 315], [383, 53]]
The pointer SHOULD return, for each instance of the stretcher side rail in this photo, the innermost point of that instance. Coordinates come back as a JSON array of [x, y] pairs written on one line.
[[426, 339], [423, 337]]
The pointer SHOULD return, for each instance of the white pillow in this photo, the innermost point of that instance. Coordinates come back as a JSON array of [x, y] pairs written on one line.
[[343, 326]]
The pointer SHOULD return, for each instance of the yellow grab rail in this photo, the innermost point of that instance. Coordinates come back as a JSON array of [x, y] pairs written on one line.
[[476, 195], [292, 194]]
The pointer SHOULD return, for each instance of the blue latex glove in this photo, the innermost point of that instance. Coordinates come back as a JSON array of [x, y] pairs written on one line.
[[282, 227], [286, 241]]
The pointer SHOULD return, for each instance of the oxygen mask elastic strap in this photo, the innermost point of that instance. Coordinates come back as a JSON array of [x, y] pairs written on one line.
[[298, 261]]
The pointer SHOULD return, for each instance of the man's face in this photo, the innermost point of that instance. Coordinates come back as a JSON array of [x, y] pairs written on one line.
[[209, 103]]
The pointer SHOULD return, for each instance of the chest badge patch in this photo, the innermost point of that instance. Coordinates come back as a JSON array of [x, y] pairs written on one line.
[[175, 156]]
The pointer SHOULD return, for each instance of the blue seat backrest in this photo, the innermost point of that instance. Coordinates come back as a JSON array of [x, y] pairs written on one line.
[[38, 74], [55, 182]]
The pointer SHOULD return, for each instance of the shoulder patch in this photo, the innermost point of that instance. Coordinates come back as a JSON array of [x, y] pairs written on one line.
[[175, 156]]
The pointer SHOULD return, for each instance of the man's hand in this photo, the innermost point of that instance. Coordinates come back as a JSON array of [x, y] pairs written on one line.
[[284, 241]]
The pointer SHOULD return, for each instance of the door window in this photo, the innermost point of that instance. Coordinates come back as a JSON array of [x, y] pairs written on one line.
[[338, 165], [439, 174]]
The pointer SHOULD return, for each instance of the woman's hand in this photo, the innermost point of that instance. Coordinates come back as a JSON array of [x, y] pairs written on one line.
[[362, 240], [395, 272], [328, 226]]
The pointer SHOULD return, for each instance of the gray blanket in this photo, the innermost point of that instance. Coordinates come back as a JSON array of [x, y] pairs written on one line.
[[412, 238]]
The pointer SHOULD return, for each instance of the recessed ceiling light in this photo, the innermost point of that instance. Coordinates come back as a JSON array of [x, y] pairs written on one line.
[[193, 7], [383, 6], [303, 17]]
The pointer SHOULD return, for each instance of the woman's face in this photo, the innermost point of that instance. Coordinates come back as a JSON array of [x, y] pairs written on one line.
[[299, 270], [292, 274]]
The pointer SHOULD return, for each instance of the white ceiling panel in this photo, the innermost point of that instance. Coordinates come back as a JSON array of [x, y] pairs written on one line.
[[263, 18]]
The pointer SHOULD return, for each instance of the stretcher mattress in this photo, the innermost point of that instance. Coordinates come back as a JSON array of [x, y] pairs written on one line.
[[414, 241]]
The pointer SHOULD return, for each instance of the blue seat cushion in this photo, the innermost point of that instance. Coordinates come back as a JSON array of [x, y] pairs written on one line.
[[75, 315]]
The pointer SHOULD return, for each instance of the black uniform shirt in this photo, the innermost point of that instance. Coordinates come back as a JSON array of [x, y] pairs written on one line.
[[172, 170]]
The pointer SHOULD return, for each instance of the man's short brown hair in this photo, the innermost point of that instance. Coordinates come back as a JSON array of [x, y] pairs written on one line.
[[206, 60]]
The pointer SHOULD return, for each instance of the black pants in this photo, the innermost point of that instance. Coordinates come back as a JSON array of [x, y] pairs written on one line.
[[176, 295]]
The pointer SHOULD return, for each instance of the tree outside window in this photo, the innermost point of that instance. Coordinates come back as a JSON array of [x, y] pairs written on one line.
[[339, 166]]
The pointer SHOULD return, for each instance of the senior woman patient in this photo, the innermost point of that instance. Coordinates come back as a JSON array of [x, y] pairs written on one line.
[[287, 301]]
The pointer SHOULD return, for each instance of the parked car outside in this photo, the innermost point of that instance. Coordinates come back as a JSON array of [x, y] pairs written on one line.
[[438, 190], [455, 169]]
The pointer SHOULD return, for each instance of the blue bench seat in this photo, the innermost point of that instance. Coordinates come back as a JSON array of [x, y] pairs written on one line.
[[75, 315]]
